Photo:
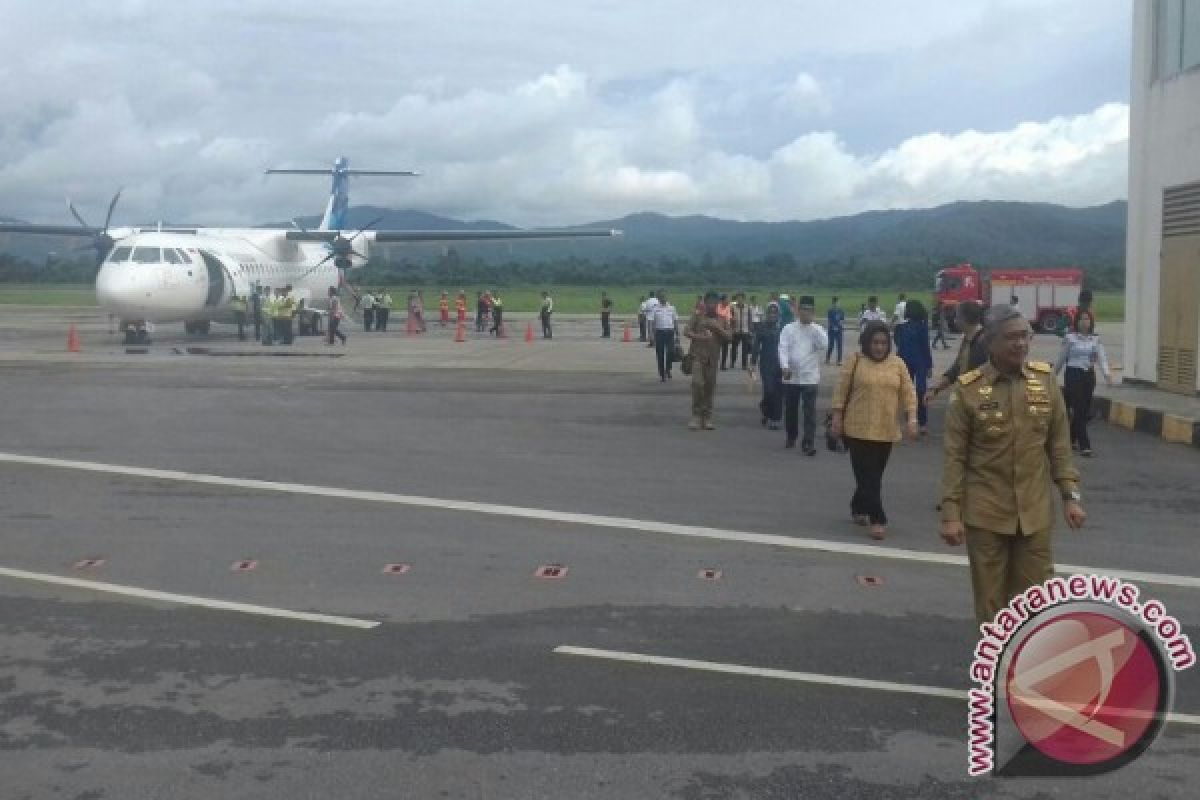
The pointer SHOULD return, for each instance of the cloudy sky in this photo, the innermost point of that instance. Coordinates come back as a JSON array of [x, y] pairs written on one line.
[[542, 112]]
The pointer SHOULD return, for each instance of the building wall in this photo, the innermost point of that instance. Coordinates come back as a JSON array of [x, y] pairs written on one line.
[[1164, 150]]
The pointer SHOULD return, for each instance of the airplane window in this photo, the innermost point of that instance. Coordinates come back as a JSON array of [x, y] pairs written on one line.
[[171, 256], [120, 254], [147, 255], [183, 256]]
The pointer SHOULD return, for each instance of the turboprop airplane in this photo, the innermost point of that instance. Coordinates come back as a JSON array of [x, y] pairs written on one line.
[[167, 274]]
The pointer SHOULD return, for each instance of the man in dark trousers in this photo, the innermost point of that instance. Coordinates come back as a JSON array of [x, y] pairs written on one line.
[[546, 312], [605, 315], [836, 318], [256, 312]]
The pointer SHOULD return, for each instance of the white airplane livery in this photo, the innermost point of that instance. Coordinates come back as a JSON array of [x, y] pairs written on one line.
[[169, 274]]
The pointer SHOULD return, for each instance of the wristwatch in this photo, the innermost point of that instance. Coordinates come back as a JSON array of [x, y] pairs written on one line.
[[1074, 497]]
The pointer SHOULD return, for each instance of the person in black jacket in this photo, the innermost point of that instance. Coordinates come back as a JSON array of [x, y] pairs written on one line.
[[766, 355]]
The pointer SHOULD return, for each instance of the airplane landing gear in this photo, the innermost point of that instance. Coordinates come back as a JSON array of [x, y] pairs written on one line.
[[196, 328], [135, 333]]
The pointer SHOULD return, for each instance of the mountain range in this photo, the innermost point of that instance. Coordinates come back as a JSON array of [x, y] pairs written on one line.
[[988, 233]]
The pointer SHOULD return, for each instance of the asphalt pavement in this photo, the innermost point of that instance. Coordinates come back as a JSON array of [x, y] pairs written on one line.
[[472, 465]]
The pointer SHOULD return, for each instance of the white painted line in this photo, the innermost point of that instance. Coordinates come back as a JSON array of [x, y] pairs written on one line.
[[571, 518], [761, 672], [788, 675], [185, 599]]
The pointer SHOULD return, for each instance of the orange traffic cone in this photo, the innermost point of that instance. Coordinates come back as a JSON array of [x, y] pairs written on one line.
[[529, 333], [627, 336], [73, 340], [461, 334]]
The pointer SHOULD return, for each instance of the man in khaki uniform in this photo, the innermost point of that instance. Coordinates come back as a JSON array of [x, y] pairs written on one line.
[[1006, 439], [708, 333]]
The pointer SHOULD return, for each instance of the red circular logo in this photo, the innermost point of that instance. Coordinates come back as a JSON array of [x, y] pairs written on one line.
[[1084, 688]]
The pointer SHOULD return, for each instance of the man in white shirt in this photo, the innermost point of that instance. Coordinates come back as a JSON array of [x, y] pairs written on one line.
[[901, 307], [872, 314], [664, 324], [368, 310], [648, 309], [801, 347]]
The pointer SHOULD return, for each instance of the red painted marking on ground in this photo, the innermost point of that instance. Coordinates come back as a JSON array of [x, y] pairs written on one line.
[[244, 566], [870, 580], [396, 569], [552, 571], [90, 563], [710, 574]]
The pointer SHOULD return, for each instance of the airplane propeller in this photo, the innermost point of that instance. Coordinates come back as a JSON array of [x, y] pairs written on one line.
[[103, 241], [341, 248]]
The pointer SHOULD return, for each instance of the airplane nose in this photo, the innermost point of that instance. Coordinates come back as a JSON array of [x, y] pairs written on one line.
[[120, 290]]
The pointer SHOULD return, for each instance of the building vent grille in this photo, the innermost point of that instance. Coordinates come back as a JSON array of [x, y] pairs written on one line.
[[1181, 210]]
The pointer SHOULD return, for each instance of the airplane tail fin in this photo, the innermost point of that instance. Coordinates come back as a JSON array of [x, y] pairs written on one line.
[[334, 218]]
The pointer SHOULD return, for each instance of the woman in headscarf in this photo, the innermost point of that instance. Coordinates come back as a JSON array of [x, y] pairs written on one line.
[[874, 386], [766, 355]]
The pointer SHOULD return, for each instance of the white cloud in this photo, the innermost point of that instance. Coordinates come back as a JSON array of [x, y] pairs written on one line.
[[546, 113]]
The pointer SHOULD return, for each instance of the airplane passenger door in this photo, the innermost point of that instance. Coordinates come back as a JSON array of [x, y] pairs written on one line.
[[218, 283]]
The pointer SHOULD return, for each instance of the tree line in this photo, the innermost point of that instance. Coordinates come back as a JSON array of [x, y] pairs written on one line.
[[450, 268]]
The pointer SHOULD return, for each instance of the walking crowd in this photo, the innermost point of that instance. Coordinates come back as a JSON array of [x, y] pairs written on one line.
[[1009, 431]]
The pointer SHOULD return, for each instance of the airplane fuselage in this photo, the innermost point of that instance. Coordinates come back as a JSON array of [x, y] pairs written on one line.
[[165, 276]]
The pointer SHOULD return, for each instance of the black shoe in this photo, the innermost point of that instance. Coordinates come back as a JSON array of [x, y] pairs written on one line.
[[809, 450], [1086, 452]]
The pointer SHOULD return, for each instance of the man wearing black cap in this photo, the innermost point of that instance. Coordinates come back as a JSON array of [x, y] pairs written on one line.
[[708, 333], [801, 346]]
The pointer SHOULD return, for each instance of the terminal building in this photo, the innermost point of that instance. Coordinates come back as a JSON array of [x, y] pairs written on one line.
[[1162, 260]]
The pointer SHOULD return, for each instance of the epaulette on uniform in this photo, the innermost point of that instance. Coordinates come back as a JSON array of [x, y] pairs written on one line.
[[1041, 366], [969, 377]]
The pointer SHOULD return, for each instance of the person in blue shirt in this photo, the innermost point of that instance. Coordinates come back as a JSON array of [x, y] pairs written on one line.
[[912, 345], [836, 318]]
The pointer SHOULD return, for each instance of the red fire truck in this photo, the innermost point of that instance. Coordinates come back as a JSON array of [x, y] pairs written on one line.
[[1044, 296]]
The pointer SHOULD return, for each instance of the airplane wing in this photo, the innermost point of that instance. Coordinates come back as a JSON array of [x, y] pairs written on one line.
[[390, 237], [49, 230]]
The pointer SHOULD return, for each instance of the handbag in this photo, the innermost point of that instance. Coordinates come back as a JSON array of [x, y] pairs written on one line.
[[837, 444]]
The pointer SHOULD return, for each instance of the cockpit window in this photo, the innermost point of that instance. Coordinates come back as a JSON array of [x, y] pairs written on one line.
[[171, 256], [120, 254], [184, 258], [147, 255]]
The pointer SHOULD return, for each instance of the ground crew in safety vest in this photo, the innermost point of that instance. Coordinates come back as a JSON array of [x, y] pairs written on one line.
[[497, 315], [383, 309], [238, 303], [282, 316], [1007, 440], [708, 332], [460, 305]]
